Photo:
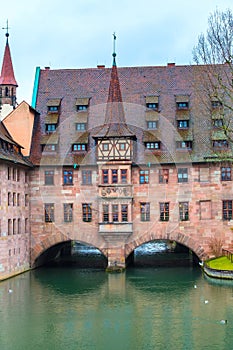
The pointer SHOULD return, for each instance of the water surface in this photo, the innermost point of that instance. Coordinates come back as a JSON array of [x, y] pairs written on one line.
[[144, 308]]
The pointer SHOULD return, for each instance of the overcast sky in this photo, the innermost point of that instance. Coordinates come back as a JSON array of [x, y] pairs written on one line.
[[78, 33]]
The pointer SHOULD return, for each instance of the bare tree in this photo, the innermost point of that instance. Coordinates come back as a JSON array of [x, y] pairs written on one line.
[[214, 51]]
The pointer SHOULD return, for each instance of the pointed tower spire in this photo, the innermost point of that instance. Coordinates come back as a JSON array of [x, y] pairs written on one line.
[[115, 123], [7, 73], [8, 82]]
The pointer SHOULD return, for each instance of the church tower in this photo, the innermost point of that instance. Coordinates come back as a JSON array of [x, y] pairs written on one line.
[[8, 84]]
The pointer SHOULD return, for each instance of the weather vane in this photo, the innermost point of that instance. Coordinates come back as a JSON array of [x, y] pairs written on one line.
[[7, 29], [114, 42]]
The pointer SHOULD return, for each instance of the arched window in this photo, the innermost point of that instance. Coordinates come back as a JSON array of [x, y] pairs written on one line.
[[6, 91], [0, 92]]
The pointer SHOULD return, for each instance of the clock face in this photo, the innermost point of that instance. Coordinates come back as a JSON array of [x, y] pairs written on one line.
[[115, 149]]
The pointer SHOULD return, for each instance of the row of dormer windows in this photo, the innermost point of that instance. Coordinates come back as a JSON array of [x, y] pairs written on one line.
[[152, 146], [154, 105]]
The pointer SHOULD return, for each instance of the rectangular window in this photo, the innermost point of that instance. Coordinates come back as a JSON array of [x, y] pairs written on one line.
[[205, 210], [49, 148], [226, 174], [184, 211], [182, 124], [19, 226], [9, 227], [105, 146], [49, 177], [67, 177], [26, 225], [14, 227], [218, 123], [87, 212], [123, 176], [79, 147], [9, 173], [115, 214], [122, 146], [86, 177], [50, 127], [183, 144], [227, 210], [82, 107], [182, 175], [49, 212], [14, 199], [53, 108], [124, 212], [153, 145], [152, 124], [114, 176], [204, 174], [152, 105], [18, 175], [9, 198], [163, 176], [145, 211], [14, 174], [26, 200], [144, 176], [220, 144], [182, 105], [80, 126], [105, 213], [105, 176], [68, 212], [18, 199], [216, 104], [164, 211]]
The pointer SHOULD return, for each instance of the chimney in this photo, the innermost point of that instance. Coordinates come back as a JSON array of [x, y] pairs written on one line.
[[100, 66]]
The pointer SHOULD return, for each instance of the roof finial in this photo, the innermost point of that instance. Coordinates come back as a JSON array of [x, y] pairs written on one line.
[[114, 49], [7, 30]]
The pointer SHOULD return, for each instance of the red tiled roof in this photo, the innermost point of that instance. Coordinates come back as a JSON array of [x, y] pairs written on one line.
[[7, 73], [136, 83]]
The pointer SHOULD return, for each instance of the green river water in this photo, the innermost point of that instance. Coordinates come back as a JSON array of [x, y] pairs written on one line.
[[163, 308]]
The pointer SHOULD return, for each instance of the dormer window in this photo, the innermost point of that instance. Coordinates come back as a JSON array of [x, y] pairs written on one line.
[[182, 101], [182, 105], [82, 104], [79, 147], [153, 145], [54, 105], [53, 108], [50, 127], [218, 123], [81, 108], [152, 105], [152, 102], [152, 124], [182, 124], [184, 145], [215, 103]]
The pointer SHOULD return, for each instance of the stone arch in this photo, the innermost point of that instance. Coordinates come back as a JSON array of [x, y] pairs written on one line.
[[178, 237], [50, 241]]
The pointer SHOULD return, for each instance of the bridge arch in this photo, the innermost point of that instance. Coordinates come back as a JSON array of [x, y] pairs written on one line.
[[51, 241], [178, 237]]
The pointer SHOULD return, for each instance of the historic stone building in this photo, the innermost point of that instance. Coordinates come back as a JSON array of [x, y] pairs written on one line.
[[14, 183], [123, 156]]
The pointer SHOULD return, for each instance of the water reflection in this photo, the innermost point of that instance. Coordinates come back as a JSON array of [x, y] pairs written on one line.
[[140, 309]]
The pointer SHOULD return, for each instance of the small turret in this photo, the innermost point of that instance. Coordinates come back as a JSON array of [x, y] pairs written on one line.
[[8, 82]]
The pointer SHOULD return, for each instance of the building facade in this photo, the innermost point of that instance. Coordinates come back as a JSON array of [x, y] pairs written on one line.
[[123, 156]]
